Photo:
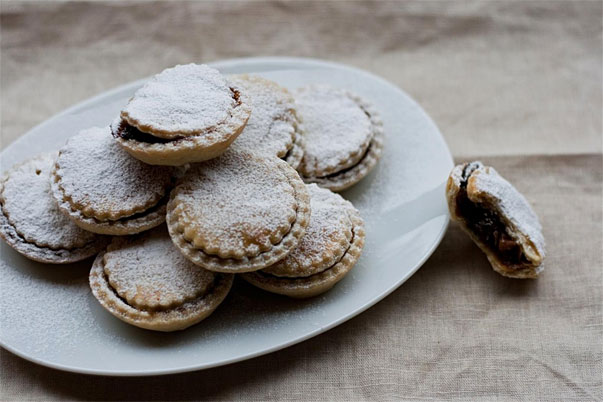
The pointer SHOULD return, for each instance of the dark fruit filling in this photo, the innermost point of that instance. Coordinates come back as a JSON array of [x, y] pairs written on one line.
[[340, 172], [128, 132], [487, 225]]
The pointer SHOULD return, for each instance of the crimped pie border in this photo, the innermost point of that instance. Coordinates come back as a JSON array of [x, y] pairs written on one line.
[[314, 285], [284, 98], [264, 259], [329, 257], [295, 154], [163, 320]]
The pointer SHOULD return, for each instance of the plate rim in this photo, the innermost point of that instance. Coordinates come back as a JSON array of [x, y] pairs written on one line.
[[226, 63]]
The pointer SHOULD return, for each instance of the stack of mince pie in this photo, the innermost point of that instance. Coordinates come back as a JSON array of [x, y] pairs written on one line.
[[201, 177]]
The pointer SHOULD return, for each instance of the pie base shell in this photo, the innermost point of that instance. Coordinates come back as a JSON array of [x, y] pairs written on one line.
[[181, 151], [174, 319]]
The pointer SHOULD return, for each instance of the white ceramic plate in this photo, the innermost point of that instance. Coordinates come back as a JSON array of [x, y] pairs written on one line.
[[49, 316]]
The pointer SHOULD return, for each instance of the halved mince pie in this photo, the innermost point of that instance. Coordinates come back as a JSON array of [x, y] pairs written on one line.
[[145, 281], [104, 190], [31, 223], [331, 246], [273, 128], [187, 113], [498, 219], [239, 212], [343, 136]]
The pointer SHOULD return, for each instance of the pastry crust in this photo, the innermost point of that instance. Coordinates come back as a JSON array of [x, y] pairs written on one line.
[[353, 168], [274, 127], [478, 193], [157, 108], [41, 233], [179, 134], [247, 245], [347, 178], [146, 310], [103, 190], [327, 237], [313, 285], [137, 223]]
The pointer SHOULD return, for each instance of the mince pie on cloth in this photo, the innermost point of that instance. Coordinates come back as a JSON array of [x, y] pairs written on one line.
[[31, 222], [343, 137], [273, 128], [331, 246], [104, 190], [239, 212], [187, 113], [498, 219], [145, 281]]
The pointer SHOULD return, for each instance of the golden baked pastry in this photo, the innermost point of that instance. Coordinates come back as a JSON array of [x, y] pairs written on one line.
[[31, 223], [273, 128], [238, 212], [104, 190], [343, 137], [498, 219], [187, 113], [330, 248], [145, 281]]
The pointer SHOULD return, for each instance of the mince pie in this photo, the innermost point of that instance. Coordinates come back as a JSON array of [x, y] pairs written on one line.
[[273, 128], [187, 113], [239, 212], [145, 281], [331, 246], [498, 219], [31, 223], [343, 137], [104, 190]]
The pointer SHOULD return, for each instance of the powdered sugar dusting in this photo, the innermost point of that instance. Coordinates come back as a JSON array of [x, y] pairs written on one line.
[[30, 208], [149, 271], [511, 203], [335, 126], [185, 99], [235, 205], [103, 181], [326, 240], [271, 127], [48, 308]]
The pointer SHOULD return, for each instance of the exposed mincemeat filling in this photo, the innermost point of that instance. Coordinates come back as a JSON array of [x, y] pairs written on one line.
[[487, 225]]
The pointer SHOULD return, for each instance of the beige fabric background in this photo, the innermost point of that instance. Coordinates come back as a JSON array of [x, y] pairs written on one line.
[[516, 84]]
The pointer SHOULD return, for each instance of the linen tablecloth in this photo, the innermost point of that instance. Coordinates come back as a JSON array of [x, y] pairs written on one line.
[[515, 84]]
